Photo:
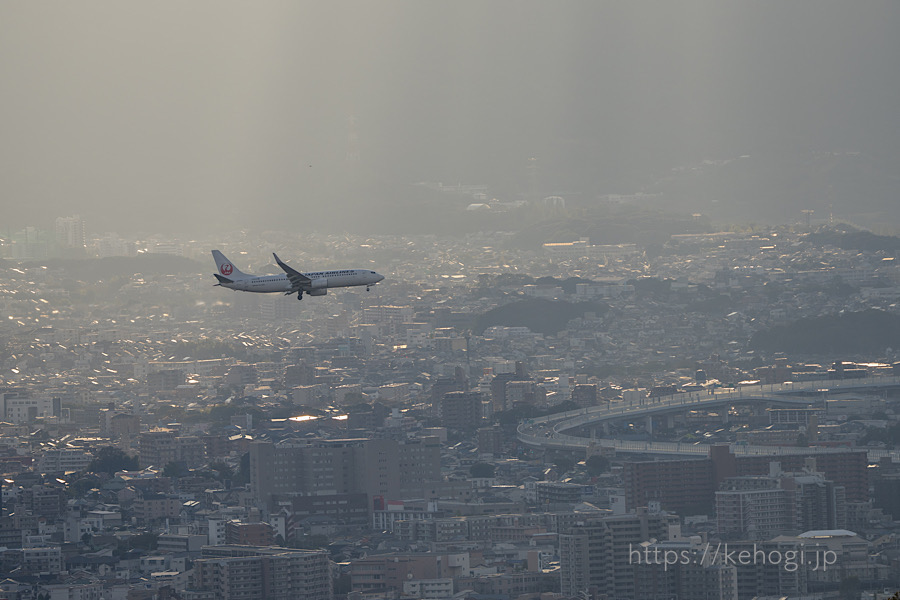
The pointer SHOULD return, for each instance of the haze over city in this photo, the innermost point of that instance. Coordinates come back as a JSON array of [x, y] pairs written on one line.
[[205, 116]]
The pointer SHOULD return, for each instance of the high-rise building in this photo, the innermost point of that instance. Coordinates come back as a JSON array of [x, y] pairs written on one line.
[[260, 573], [678, 485], [19, 407], [299, 374], [389, 318], [156, 448], [594, 554], [887, 494], [159, 447], [249, 534], [693, 576], [167, 379], [763, 507], [846, 469], [820, 504], [689, 484], [490, 440], [276, 308], [442, 385], [375, 467], [115, 423], [30, 243], [794, 566], [557, 492], [190, 450], [753, 507], [525, 393], [110, 244], [381, 576], [70, 233], [241, 374], [461, 410], [500, 398]]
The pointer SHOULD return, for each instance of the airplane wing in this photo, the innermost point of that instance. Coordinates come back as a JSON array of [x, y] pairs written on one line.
[[298, 280]]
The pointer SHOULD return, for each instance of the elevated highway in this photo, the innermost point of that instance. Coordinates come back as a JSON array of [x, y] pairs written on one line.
[[549, 432]]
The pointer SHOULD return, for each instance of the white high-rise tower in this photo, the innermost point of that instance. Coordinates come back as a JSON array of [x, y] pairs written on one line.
[[70, 232]]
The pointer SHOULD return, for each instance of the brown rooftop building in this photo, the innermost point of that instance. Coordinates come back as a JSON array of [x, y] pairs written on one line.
[[687, 485]]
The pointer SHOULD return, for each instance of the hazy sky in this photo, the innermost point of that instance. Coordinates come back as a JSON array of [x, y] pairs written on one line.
[[205, 114]]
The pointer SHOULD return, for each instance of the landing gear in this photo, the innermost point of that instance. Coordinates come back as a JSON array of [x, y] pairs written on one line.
[[300, 295], [368, 289]]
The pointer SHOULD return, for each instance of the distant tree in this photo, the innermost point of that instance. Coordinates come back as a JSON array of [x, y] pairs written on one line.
[[514, 415], [110, 459], [546, 280], [243, 474], [142, 541], [839, 288], [651, 287], [539, 315], [222, 413], [310, 542], [175, 470], [850, 588], [863, 332], [222, 470], [355, 397], [79, 487], [526, 411], [512, 279], [654, 251], [568, 285], [718, 304], [889, 435], [342, 585], [564, 464], [854, 239], [210, 348], [481, 469], [597, 465]]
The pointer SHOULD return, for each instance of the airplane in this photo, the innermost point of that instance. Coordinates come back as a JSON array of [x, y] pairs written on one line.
[[291, 281]]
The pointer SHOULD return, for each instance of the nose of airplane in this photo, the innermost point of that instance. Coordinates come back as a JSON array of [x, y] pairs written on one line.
[[380, 277]]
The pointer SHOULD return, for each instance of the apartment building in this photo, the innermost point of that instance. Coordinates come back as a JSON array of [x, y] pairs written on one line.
[[594, 554], [257, 573], [375, 467]]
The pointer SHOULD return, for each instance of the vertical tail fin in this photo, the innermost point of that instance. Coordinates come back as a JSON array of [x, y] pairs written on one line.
[[226, 268]]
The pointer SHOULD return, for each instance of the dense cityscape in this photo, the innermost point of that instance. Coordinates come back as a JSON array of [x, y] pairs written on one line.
[[402, 300], [714, 415]]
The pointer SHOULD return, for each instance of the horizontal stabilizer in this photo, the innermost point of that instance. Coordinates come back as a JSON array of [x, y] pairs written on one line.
[[226, 267], [223, 279]]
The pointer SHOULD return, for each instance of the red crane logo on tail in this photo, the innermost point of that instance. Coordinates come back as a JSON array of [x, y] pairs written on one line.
[[226, 269]]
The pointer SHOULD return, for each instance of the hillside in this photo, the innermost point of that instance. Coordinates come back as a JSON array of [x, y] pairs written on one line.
[[541, 316], [868, 332]]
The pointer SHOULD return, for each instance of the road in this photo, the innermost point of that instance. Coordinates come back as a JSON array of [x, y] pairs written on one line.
[[549, 431]]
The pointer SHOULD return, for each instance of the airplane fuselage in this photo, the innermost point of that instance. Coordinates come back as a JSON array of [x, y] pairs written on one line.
[[319, 280], [291, 281]]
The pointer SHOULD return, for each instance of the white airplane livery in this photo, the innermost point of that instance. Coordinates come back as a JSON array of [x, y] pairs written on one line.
[[291, 281]]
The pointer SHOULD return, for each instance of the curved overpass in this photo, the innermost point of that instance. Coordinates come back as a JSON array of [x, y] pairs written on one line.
[[548, 432]]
